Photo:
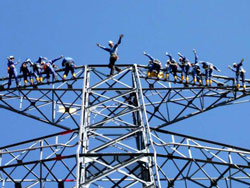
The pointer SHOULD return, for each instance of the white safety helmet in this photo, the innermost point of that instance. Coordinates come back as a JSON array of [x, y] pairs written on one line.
[[157, 61], [28, 60], [111, 42], [11, 57], [234, 64]]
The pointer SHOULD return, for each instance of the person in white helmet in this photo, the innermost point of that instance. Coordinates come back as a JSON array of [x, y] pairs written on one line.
[[209, 68], [154, 66], [239, 72], [185, 66], [196, 71], [12, 70], [171, 67], [113, 54]]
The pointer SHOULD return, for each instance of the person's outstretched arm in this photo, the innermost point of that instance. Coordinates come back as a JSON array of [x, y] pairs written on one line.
[[231, 68], [195, 56], [16, 63], [56, 59], [103, 47], [170, 57], [241, 62], [215, 68], [149, 56], [179, 54], [119, 41]]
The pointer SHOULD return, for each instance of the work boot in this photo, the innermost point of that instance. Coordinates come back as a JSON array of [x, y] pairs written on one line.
[[167, 76], [153, 74], [238, 86], [148, 74], [195, 80], [175, 79], [25, 82], [182, 78], [244, 87], [74, 75], [160, 75], [187, 78], [207, 81], [31, 81], [64, 76], [210, 82]]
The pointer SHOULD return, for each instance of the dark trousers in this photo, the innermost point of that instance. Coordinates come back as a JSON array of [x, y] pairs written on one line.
[[155, 67], [173, 70], [37, 73], [112, 66], [69, 68], [242, 76], [50, 70], [12, 72], [208, 73], [26, 74]]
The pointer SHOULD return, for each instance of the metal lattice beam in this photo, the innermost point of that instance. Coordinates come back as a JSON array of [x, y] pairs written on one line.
[[114, 133]]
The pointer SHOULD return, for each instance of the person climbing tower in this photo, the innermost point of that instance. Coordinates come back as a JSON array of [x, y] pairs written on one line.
[[196, 70], [113, 54], [69, 65], [239, 72], [185, 66], [154, 66], [37, 69], [49, 68], [171, 67], [26, 72], [209, 68], [12, 70]]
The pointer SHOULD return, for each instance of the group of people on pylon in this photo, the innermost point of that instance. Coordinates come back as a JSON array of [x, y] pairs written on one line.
[[155, 69], [43, 65], [36, 69]]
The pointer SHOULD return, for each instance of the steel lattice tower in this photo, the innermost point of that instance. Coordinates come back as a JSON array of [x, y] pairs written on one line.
[[113, 133]]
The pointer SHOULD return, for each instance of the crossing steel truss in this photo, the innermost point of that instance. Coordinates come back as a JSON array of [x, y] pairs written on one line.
[[113, 133]]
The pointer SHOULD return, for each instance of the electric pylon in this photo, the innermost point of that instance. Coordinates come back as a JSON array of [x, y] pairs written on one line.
[[113, 133]]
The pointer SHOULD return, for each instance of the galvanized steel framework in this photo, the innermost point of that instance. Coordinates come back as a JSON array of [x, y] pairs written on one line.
[[114, 133]]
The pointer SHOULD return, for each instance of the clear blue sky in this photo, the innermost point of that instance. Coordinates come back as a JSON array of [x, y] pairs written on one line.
[[219, 30]]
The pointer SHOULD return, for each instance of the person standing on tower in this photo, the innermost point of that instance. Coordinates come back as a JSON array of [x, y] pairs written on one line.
[[26, 72], [49, 68], [154, 65], [12, 70], [209, 68], [113, 54], [239, 72], [171, 66], [196, 71], [37, 69], [69, 65], [185, 66]]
